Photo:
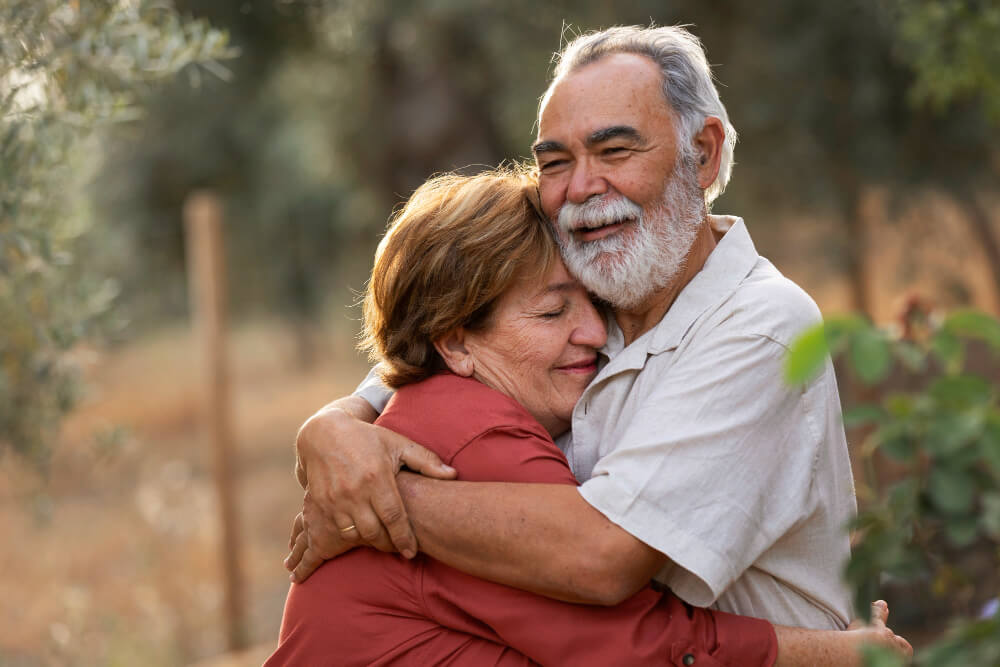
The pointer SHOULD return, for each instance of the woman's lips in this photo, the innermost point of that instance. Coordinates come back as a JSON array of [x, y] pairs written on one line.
[[583, 367]]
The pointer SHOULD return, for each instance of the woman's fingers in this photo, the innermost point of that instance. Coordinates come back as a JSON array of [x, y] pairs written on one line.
[[880, 613], [903, 646]]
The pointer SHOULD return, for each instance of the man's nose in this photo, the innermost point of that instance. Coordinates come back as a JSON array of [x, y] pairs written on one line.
[[585, 182]]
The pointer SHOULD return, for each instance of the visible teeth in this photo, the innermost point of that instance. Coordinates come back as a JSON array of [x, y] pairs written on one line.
[[606, 224]]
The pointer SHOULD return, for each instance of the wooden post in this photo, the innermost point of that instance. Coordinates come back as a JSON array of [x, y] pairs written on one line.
[[207, 289]]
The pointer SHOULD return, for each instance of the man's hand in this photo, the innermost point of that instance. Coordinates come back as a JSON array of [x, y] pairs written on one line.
[[348, 468], [304, 557]]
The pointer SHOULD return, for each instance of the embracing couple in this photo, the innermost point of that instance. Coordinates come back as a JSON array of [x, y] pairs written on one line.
[[598, 360]]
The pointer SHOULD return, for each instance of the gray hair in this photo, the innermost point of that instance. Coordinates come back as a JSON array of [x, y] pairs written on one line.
[[687, 81]]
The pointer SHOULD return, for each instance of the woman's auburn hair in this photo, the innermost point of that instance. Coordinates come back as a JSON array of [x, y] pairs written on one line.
[[449, 254]]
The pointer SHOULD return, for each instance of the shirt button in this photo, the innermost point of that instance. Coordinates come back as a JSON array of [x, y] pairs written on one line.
[[688, 659]]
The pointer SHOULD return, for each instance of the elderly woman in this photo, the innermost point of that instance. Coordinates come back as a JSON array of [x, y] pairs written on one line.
[[489, 343]]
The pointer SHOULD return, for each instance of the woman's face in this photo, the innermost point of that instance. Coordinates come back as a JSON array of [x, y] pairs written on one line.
[[541, 346]]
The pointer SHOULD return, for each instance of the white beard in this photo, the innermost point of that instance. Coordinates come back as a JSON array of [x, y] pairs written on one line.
[[627, 268]]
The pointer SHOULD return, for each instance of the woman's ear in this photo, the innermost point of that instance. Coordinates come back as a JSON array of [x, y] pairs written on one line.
[[452, 349]]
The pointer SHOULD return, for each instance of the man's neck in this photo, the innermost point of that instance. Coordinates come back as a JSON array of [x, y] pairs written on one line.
[[636, 321]]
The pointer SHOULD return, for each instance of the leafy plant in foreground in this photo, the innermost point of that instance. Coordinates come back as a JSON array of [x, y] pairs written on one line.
[[933, 521]]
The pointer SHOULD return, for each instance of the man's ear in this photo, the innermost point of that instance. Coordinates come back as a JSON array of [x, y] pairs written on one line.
[[456, 356], [708, 150]]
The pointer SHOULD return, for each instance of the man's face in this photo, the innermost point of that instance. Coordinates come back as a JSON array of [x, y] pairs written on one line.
[[626, 207]]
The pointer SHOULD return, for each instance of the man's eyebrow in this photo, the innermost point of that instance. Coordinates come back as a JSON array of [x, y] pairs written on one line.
[[547, 147], [614, 132]]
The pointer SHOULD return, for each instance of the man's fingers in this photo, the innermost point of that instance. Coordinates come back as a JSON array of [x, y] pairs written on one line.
[[388, 505], [297, 528], [307, 565], [370, 530], [300, 473], [298, 548], [427, 463]]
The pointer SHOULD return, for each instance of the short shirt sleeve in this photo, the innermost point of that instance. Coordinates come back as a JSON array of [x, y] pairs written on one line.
[[715, 465], [372, 390]]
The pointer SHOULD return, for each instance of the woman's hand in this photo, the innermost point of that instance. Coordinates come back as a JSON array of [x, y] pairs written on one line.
[[877, 633], [798, 647], [348, 468]]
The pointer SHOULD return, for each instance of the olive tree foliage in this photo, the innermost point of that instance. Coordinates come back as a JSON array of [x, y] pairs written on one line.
[[931, 522], [953, 49], [67, 70]]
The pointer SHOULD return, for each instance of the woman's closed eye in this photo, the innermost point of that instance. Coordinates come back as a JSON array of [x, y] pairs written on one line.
[[552, 314]]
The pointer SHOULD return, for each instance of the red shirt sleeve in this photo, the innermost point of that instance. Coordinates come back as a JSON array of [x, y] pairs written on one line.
[[647, 629]]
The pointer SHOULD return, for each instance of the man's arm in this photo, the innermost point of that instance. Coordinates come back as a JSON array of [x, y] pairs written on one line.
[[538, 537], [543, 538]]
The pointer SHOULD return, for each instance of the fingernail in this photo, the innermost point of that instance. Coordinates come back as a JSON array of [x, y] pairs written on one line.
[[409, 553]]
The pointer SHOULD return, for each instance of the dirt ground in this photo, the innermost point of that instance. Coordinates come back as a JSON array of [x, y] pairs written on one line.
[[115, 561]]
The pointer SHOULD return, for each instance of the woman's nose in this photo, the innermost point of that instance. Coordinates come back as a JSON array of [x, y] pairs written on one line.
[[590, 330]]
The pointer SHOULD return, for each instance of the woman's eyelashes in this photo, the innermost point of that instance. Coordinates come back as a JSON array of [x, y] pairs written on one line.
[[552, 313]]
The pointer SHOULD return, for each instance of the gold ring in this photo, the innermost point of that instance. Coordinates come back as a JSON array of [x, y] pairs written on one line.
[[349, 528]]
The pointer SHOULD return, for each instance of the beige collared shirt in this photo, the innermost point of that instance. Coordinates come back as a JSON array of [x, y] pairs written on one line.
[[690, 439]]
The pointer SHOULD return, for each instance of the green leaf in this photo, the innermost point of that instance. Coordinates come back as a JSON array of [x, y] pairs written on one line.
[[894, 441], [962, 532], [878, 656], [899, 405], [990, 517], [913, 358], [959, 392], [989, 446], [859, 415], [952, 491], [975, 324], [902, 498], [949, 433], [948, 349], [870, 354], [806, 356]]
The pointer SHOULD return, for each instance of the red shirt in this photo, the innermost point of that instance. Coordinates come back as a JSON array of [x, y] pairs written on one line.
[[372, 608]]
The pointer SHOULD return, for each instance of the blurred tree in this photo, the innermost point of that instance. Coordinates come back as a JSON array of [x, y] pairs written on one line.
[[952, 46], [340, 108], [66, 70], [821, 103]]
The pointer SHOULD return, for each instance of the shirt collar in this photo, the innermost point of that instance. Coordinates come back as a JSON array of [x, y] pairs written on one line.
[[726, 267]]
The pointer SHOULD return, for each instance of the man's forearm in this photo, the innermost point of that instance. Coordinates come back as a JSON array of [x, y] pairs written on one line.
[[543, 538]]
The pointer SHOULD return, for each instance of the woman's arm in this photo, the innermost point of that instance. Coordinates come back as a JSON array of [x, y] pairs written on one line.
[[798, 647]]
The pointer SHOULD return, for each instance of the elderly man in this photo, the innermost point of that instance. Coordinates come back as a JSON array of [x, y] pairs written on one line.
[[701, 467]]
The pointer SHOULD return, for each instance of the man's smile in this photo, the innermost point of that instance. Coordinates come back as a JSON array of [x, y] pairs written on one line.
[[586, 233]]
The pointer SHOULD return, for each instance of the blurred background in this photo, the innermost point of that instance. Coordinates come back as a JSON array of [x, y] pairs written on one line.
[[867, 171]]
